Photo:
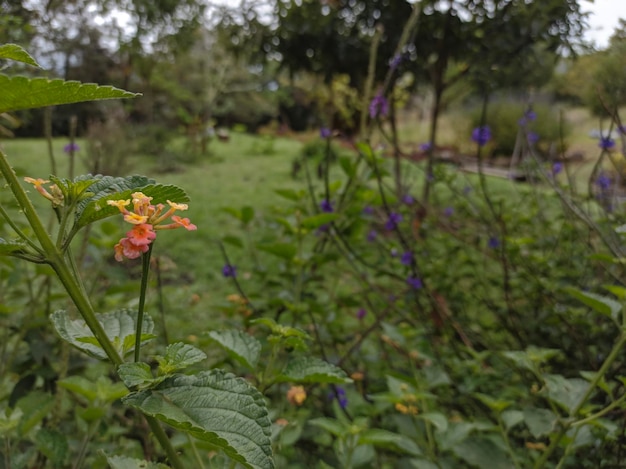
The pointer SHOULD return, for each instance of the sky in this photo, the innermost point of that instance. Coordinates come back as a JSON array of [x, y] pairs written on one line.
[[604, 17]]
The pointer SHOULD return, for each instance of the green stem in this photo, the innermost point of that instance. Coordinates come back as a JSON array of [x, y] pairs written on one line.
[[165, 442], [617, 348], [145, 270], [17, 230]]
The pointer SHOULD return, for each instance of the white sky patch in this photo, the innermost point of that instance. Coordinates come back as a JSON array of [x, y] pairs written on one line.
[[604, 18]]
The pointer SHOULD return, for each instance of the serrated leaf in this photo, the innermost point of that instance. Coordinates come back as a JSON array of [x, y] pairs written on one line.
[[540, 422], [179, 356], [135, 374], [566, 392], [483, 452], [240, 346], [390, 440], [216, 407], [279, 329], [52, 444], [318, 220], [28, 93], [123, 462], [603, 305], [308, 369], [285, 251], [510, 418], [17, 53], [119, 327]]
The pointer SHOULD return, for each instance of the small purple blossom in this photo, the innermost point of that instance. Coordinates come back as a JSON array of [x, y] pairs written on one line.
[[325, 228], [360, 314], [407, 258], [372, 235], [379, 106], [467, 190], [532, 137], [408, 199], [557, 168], [414, 282], [427, 146], [395, 61], [71, 147], [606, 143], [326, 206], [340, 395], [603, 181], [229, 271], [622, 129], [392, 221], [481, 135], [448, 212], [368, 210], [325, 132], [494, 242]]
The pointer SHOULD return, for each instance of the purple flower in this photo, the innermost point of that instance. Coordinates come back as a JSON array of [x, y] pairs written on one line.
[[323, 229], [425, 146], [360, 314], [467, 190], [325, 132], [71, 147], [395, 61], [448, 212], [532, 137], [392, 221], [408, 199], [557, 168], [340, 395], [414, 282], [622, 129], [481, 135], [368, 210], [326, 206], [530, 115], [407, 258], [372, 235], [379, 106], [603, 181], [494, 242], [606, 143], [229, 271]]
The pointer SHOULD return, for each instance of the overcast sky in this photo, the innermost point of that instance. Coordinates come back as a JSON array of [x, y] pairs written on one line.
[[604, 17]]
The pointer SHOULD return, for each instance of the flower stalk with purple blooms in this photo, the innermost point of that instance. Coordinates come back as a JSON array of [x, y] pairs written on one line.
[[379, 106], [325, 132], [606, 143], [481, 135], [414, 282], [326, 206], [71, 147], [229, 271], [407, 258], [392, 221]]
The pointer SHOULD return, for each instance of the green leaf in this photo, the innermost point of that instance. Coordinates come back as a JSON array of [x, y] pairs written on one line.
[[390, 440], [318, 220], [119, 327], [11, 247], [98, 391], [332, 426], [35, 407], [80, 385], [438, 420], [124, 462], [247, 214], [617, 290], [233, 241], [566, 392], [52, 444], [348, 167], [9, 420], [285, 251], [135, 374], [17, 53], [240, 346], [308, 369], [290, 194], [108, 188], [482, 452], [510, 418], [179, 356], [540, 422], [216, 407], [603, 305], [28, 93]]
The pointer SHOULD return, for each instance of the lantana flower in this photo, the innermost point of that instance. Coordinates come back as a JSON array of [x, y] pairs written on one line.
[[55, 195], [146, 219]]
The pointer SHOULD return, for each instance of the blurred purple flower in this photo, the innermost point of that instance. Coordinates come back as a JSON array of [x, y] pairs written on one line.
[[326, 206], [323, 229], [229, 271], [395, 61], [448, 212], [379, 106], [603, 181], [360, 314], [530, 115], [408, 199], [606, 143], [467, 190], [414, 282], [325, 132], [392, 221], [368, 210], [425, 146], [340, 395], [494, 242], [532, 137], [407, 258], [71, 147], [481, 135], [557, 168], [372, 235], [622, 129]]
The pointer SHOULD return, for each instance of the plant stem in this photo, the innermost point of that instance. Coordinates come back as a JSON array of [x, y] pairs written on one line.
[[145, 270]]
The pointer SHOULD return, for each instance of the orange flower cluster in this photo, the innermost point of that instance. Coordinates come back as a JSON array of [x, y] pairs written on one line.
[[146, 219], [55, 195]]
